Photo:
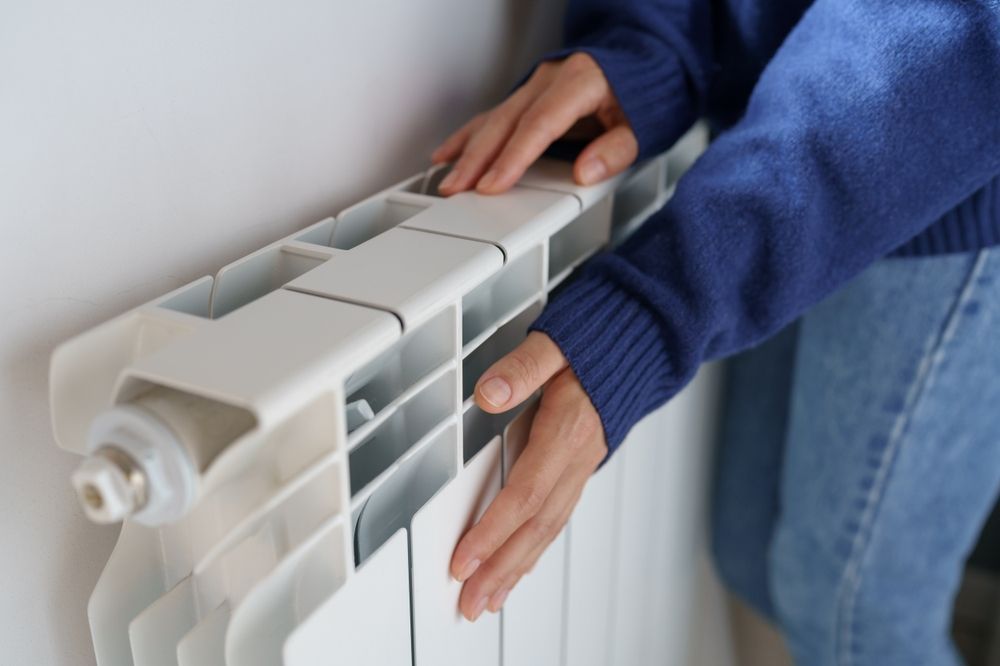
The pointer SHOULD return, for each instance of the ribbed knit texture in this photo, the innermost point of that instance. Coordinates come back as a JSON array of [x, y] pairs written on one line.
[[615, 346], [856, 130], [973, 224]]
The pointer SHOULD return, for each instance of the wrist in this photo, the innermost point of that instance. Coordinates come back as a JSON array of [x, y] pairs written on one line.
[[616, 347]]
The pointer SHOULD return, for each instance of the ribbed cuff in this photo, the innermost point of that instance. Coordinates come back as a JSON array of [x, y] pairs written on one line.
[[615, 347], [972, 225]]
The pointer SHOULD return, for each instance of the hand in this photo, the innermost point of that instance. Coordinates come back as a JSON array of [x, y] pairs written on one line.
[[493, 149], [565, 446]]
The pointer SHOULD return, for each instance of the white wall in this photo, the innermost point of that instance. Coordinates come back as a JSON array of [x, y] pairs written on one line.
[[145, 144]]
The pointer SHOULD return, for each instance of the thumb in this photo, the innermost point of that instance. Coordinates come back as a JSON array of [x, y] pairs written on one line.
[[515, 377], [609, 154]]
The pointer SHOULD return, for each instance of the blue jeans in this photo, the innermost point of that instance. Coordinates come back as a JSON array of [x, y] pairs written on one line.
[[860, 457]]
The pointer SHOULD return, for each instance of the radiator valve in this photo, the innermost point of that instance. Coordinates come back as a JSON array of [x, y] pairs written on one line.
[[111, 485], [147, 456]]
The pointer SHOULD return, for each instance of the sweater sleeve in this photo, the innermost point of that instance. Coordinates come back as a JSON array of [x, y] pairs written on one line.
[[656, 55], [872, 120]]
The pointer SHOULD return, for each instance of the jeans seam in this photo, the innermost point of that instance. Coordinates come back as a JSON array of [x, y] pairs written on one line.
[[850, 583]]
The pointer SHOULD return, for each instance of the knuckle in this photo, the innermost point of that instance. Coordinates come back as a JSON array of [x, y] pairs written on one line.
[[477, 153], [470, 154], [588, 423], [578, 62], [500, 117], [523, 368], [490, 538], [585, 70], [576, 443], [540, 528], [526, 498], [493, 127], [581, 423], [537, 123], [566, 395], [510, 579], [597, 84]]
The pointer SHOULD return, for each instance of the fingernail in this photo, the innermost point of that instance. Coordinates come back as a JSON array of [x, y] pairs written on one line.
[[487, 181], [477, 610], [496, 601], [449, 180], [467, 571], [495, 391], [592, 171]]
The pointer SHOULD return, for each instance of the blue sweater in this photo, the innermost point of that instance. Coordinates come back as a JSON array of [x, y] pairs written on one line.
[[851, 130]]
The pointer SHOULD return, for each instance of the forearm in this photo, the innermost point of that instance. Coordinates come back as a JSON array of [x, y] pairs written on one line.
[[872, 121]]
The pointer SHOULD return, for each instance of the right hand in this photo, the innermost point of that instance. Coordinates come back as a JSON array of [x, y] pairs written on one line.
[[565, 445], [492, 151]]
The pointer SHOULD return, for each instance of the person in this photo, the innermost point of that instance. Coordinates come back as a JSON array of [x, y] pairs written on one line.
[[842, 227]]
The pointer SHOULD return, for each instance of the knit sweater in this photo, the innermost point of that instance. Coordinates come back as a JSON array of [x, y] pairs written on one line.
[[849, 130]]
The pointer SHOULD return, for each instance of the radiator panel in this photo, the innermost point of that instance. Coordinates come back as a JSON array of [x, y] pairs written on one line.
[[324, 533]]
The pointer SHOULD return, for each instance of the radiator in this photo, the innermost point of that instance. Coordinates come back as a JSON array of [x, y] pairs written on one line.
[[295, 453]]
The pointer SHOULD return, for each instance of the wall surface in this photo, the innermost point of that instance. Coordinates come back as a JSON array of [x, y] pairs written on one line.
[[143, 145]]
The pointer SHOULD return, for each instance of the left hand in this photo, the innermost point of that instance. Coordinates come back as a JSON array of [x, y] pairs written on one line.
[[562, 98], [565, 446]]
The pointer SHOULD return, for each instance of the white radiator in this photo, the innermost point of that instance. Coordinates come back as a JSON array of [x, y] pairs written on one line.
[[322, 455]]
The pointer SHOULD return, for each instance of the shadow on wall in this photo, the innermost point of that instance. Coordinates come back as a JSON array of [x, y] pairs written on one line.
[[531, 22]]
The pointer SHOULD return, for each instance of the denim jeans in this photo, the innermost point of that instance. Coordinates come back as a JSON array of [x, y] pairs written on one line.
[[860, 456]]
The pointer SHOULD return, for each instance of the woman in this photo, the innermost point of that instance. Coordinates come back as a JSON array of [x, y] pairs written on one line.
[[846, 215]]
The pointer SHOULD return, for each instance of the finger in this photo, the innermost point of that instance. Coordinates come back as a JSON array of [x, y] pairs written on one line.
[[551, 115], [485, 142], [565, 422], [609, 154], [488, 587], [453, 145], [507, 583], [529, 562], [515, 377], [587, 468]]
